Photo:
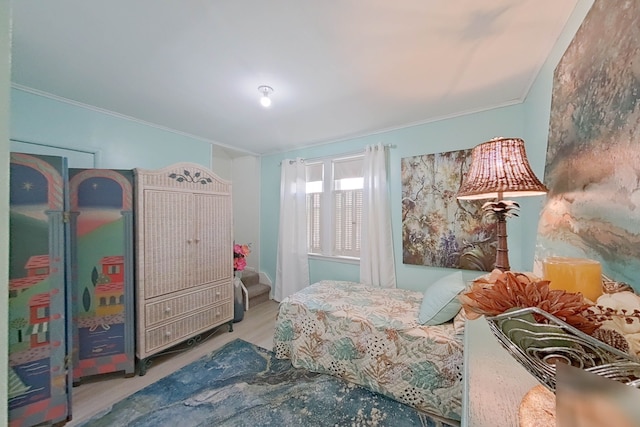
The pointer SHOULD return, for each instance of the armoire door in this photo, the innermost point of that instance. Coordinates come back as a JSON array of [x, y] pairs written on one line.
[[102, 264], [213, 228], [39, 382], [168, 241]]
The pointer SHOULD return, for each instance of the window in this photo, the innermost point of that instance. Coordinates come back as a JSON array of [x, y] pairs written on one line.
[[334, 206]]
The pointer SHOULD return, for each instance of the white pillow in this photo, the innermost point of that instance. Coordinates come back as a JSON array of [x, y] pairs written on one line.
[[440, 303]]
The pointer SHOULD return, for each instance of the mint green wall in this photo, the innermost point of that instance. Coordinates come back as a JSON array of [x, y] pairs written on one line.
[[5, 81], [331, 270], [444, 135], [122, 143]]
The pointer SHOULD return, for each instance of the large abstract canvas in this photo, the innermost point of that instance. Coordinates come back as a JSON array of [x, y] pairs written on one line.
[[593, 157], [438, 229]]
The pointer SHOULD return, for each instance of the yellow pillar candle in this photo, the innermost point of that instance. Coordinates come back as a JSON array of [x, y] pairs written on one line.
[[574, 275]]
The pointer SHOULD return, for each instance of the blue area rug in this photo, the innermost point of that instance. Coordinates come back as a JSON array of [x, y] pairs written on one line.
[[241, 384]]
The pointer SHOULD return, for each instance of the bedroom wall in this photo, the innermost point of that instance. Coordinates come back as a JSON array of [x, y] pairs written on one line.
[[121, 142], [444, 135]]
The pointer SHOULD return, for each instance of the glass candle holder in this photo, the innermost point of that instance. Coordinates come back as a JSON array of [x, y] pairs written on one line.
[[574, 275]]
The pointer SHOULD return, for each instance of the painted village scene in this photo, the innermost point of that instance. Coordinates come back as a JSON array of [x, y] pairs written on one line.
[[37, 318], [101, 206], [40, 291]]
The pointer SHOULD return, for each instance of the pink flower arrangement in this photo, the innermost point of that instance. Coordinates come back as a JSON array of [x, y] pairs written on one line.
[[239, 254]]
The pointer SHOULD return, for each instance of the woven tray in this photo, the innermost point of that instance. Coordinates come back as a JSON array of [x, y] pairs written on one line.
[[538, 347]]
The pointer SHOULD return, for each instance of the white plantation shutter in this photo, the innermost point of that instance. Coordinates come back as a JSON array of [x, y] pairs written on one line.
[[347, 206], [315, 188], [347, 216], [314, 218], [334, 206]]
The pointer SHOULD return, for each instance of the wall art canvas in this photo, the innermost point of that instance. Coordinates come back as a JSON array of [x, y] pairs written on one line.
[[438, 229], [593, 155]]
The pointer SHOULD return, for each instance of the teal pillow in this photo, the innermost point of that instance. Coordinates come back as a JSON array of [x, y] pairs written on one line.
[[440, 303]]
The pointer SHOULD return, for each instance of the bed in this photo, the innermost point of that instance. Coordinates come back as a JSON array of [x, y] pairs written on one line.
[[371, 337]]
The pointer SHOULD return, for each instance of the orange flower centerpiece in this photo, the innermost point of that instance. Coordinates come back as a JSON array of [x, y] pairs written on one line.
[[541, 327], [499, 292]]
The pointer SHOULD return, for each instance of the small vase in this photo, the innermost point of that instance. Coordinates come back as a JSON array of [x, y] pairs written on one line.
[[238, 305]]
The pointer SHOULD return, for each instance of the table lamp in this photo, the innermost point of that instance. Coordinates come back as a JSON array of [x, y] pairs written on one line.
[[499, 168]]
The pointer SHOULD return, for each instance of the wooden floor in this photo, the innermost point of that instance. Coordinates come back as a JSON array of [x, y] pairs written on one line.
[[100, 392]]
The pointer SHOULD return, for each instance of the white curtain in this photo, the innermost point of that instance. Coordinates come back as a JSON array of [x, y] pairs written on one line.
[[292, 267], [377, 267]]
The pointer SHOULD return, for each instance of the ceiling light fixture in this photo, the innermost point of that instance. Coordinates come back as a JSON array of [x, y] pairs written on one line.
[[265, 101]]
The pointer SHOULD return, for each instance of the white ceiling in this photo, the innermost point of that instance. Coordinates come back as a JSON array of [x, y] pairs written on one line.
[[339, 68]]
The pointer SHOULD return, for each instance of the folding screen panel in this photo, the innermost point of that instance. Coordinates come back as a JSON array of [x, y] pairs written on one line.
[[102, 264], [39, 319]]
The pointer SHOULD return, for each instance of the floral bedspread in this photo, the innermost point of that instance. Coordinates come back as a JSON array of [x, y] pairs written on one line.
[[371, 336]]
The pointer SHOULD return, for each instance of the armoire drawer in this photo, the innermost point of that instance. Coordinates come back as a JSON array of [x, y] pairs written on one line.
[[172, 333], [171, 308]]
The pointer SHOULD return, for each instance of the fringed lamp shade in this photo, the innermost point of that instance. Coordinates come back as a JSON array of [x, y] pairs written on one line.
[[499, 168]]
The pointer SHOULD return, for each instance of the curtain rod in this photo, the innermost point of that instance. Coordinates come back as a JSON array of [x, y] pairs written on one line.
[[350, 153]]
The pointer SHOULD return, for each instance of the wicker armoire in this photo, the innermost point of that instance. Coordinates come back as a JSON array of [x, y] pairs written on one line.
[[184, 256]]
